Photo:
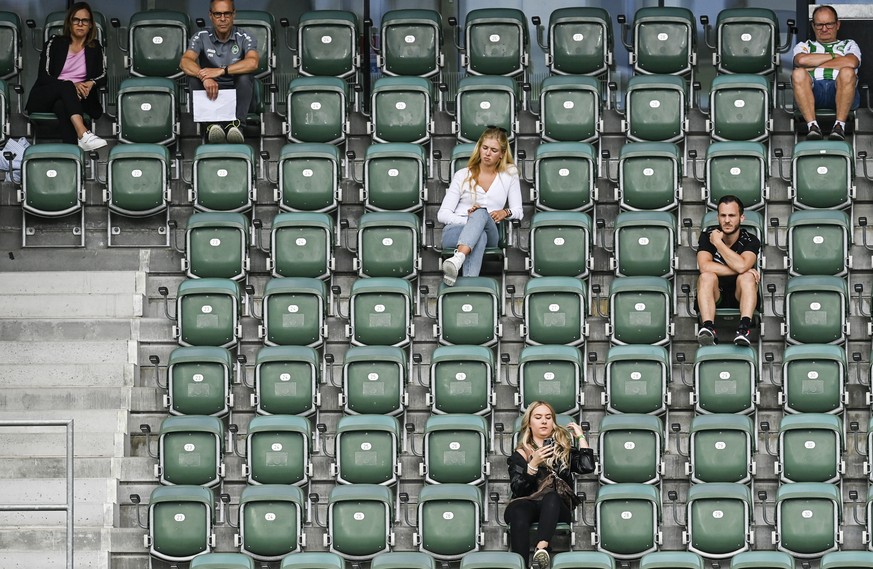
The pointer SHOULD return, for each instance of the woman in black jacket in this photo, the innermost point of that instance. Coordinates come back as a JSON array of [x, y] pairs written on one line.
[[72, 69], [544, 448]]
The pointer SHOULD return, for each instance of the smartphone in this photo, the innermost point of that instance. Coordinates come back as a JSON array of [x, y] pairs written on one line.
[[548, 442]]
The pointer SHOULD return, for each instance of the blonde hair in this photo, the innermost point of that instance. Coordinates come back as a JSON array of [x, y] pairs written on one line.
[[563, 440], [473, 164]]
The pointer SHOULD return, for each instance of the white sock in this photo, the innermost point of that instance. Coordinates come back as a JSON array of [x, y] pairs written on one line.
[[810, 123], [841, 123]]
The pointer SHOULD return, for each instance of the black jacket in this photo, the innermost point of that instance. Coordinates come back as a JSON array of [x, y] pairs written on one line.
[[523, 484], [51, 64]]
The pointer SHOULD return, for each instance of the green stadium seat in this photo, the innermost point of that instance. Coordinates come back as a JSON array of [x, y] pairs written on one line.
[[496, 41], [360, 521], [754, 224], [191, 451], [217, 245], [847, 559], [147, 111], [327, 43], [560, 419], [554, 311], [52, 186], [816, 310], [628, 518], [822, 175], [10, 45], [561, 244], [262, 26], [137, 185], [278, 451], [649, 176], [645, 244], [639, 310], [482, 101], [671, 560], [295, 312], [580, 41], [411, 43], [737, 169], [721, 448], [403, 560], [808, 519], [554, 374], [819, 242], [460, 156], [455, 449], [655, 109], [395, 176], [5, 125], [388, 245], [740, 108], [468, 313], [380, 312], [811, 448], [719, 519], [270, 521], [301, 245], [461, 380], [565, 175], [762, 560], [492, 560], [156, 41], [814, 378], [569, 109], [224, 178], [317, 110], [374, 380], [286, 380], [208, 313], [636, 380], [664, 41], [450, 520], [367, 450], [725, 379], [630, 448], [309, 177], [402, 110], [583, 559], [222, 561], [199, 381], [312, 560], [747, 41], [181, 523]]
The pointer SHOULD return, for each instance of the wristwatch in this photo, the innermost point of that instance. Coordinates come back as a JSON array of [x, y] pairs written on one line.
[[225, 71]]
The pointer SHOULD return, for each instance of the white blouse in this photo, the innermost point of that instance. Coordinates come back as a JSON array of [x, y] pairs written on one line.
[[460, 197]]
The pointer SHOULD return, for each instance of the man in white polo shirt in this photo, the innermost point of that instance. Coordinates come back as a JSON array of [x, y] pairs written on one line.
[[223, 57], [826, 74]]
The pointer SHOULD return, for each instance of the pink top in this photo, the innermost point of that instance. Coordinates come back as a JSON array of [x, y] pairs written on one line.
[[74, 68]]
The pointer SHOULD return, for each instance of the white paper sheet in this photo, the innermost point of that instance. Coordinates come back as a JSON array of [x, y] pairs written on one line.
[[222, 109]]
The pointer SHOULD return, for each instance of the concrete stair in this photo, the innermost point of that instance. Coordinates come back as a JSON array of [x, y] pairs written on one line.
[[68, 351]]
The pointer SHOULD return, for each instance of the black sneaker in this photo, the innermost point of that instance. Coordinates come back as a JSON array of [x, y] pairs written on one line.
[[814, 133], [837, 133], [706, 336], [743, 337]]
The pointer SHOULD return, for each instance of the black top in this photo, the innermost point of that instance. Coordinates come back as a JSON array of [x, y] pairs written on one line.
[[523, 484], [51, 64], [745, 242]]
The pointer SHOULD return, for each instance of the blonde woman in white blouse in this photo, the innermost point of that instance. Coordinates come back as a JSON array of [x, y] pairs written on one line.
[[480, 196]]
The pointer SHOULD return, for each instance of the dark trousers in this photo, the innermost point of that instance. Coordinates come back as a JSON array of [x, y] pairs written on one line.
[[520, 514], [245, 88], [61, 99]]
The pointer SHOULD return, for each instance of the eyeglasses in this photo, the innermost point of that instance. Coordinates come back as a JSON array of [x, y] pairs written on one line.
[[80, 21], [824, 25], [222, 15]]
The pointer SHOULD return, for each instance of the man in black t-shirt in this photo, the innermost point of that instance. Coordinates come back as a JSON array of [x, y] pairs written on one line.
[[727, 257]]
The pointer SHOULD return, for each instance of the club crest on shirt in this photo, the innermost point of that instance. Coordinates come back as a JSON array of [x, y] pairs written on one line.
[[234, 50]]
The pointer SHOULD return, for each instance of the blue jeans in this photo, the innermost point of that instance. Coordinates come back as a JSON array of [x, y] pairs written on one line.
[[825, 93], [478, 233]]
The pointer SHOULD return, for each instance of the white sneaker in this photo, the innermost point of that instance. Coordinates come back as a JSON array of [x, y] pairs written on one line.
[[215, 134], [91, 141], [452, 267], [541, 559], [234, 134]]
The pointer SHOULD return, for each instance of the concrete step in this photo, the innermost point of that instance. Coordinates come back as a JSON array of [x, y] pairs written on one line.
[[67, 352], [61, 328], [55, 467], [70, 294], [46, 375], [64, 398], [94, 501], [54, 559], [88, 259], [96, 433]]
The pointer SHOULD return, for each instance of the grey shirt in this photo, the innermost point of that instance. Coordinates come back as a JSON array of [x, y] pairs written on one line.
[[215, 53]]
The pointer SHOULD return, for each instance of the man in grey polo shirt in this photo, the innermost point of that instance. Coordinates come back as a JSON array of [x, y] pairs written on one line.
[[223, 57]]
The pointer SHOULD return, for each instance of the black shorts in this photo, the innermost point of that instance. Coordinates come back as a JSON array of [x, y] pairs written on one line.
[[727, 287]]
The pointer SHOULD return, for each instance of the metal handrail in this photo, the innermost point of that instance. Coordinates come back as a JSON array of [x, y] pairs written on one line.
[[68, 506]]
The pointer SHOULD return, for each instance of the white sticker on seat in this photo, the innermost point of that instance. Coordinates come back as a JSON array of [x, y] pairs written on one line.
[[559, 241], [636, 375], [648, 171], [809, 445], [409, 39], [643, 241], [373, 376], [366, 446], [485, 105], [206, 309], [746, 37], [393, 172], [554, 307], [822, 170], [549, 375], [293, 308], [215, 242], [51, 173], [276, 447], [818, 239], [307, 173], [663, 36], [315, 106], [494, 38], [454, 445], [358, 516], [655, 103], [136, 173], [300, 242], [197, 377], [812, 375], [461, 376], [735, 171], [467, 307], [724, 375], [157, 40], [221, 173], [448, 515], [639, 307], [387, 242], [720, 445], [739, 103], [569, 104], [326, 39], [270, 517], [146, 107], [189, 447], [815, 306], [578, 37], [400, 105], [629, 445], [285, 376]]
